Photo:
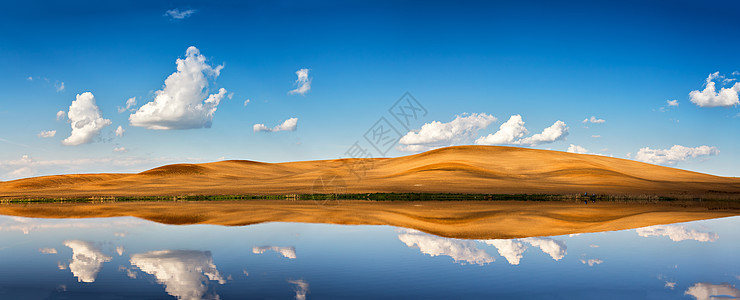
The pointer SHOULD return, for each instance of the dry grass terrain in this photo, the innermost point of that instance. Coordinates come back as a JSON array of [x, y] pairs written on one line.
[[458, 219], [462, 169]]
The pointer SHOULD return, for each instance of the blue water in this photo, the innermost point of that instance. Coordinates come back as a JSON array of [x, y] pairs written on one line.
[[129, 258]]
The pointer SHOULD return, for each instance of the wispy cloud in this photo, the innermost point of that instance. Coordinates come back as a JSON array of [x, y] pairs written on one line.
[[179, 14], [47, 134], [303, 83], [594, 120]]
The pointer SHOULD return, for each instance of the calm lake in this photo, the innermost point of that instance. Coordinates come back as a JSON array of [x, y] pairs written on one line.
[[130, 258]]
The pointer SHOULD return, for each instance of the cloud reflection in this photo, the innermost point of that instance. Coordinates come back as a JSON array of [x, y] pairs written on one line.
[[288, 252], [459, 250], [87, 260], [184, 273], [512, 250], [301, 288], [555, 248], [27, 225], [677, 233], [706, 291]]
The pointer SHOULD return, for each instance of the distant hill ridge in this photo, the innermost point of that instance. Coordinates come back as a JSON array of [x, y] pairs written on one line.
[[459, 169]]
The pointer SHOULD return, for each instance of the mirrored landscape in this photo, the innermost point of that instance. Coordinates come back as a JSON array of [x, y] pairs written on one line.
[[126, 257]]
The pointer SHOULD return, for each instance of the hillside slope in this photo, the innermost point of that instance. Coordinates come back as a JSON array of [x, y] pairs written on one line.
[[460, 169]]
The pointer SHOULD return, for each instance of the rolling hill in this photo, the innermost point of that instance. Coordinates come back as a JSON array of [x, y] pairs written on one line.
[[459, 169]]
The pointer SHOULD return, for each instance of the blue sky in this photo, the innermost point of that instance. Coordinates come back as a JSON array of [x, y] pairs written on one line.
[[471, 65]]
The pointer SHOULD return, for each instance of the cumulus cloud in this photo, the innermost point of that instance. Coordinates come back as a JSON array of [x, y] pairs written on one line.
[[87, 260], [677, 233], [61, 115], [707, 291], [184, 273], [86, 120], [462, 251], [436, 134], [512, 132], [512, 250], [577, 149], [287, 252], [710, 97], [182, 103], [131, 102], [47, 134], [120, 131], [674, 154], [555, 248], [594, 120], [303, 83], [301, 288], [179, 14], [289, 125]]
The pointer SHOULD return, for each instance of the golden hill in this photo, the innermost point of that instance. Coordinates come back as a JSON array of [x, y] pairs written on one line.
[[461, 169]]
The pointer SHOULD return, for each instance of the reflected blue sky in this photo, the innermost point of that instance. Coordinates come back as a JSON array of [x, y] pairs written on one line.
[[132, 258]]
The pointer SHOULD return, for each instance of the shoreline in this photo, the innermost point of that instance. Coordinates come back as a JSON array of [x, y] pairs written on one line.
[[454, 219]]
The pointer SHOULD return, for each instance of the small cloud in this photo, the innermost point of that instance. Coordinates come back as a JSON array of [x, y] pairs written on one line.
[[670, 285], [672, 102], [594, 120], [513, 130], [593, 246], [59, 85], [592, 262], [301, 288], [48, 250], [289, 125], [120, 131], [710, 97], [131, 102], [577, 149], [47, 134], [29, 78], [61, 115], [674, 155], [179, 14], [303, 83], [120, 149], [596, 136], [246, 102]]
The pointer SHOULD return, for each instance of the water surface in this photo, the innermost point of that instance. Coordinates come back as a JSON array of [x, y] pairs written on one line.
[[126, 257]]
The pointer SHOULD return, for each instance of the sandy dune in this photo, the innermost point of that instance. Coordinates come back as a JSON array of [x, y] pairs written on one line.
[[458, 219], [462, 169]]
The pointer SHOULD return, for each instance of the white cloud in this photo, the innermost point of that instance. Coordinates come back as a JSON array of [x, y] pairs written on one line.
[[512, 131], [301, 288], [246, 102], [303, 83], [287, 252], [436, 134], [672, 102], [677, 233], [120, 131], [59, 86], [87, 260], [48, 250], [577, 149], [556, 132], [180, 104], [61, 115], [555, 248], [596, 136], [594, 120], [131, 102], [289, 125], [707, 291], [29, 78], [592, 262], [184, 273], [670, 285], [86, 120], [47, 134], [462, 251], [179, 14], [120, 149], [674, 154], [27, 225], [512, 250], [709, 97]]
